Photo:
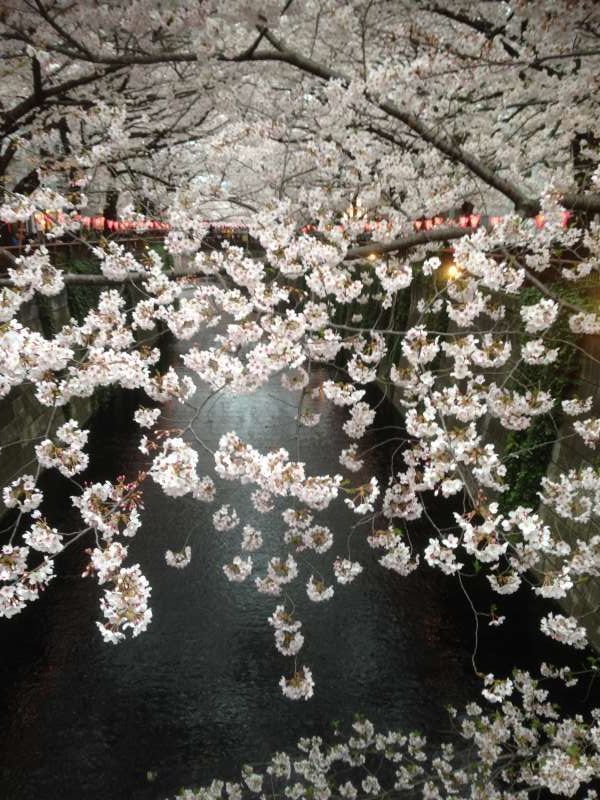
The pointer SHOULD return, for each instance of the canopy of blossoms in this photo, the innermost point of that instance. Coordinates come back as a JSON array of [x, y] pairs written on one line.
[[327, 129]]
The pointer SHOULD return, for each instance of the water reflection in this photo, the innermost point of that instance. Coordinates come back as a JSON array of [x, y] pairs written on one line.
[[197, 695]]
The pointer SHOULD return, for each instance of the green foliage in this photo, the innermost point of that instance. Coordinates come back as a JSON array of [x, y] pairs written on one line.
[[82, 298], [162, 251], [45, 315], [528, 453]]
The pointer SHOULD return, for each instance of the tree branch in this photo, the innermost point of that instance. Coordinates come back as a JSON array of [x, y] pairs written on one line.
[[38, 98], [374, 248], [581, 202], [523, 203], [406, 242]]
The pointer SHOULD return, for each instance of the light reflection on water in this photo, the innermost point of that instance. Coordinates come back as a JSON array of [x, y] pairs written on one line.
[[197, 695]]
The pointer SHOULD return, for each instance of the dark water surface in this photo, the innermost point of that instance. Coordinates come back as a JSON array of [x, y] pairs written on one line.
[[197, 695]]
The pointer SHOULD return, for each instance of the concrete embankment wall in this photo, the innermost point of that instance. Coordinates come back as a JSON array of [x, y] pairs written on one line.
[[23, 420], [568, 453]]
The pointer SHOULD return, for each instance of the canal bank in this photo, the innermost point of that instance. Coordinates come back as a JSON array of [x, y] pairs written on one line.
[[547, 449], [24, 421]]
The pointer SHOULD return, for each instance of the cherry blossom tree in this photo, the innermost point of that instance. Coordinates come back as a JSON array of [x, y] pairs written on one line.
[[358, 142]]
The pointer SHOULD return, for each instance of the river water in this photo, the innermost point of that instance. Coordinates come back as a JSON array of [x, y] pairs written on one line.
[[196, 695]]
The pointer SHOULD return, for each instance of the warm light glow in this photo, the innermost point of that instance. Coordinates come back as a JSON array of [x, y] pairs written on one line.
[[454, 272], [372, 257]]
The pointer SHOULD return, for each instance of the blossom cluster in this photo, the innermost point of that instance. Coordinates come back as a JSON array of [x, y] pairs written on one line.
[[512, 743]]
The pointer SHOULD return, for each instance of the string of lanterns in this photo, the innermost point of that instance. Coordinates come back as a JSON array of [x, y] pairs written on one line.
[[472, 221], [43, 221]]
